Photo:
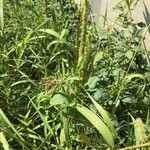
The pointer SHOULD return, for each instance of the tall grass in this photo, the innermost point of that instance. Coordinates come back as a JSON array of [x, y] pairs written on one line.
[[64, 84]]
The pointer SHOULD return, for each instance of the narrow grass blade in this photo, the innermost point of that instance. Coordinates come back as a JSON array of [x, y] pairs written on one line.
[[131, 76], [98, 124], [23, 43], [5, 119], [148, 118], [51, 32], [22, 81], [66, 129], [6, 125], [103, 113], [4, 141], [42, 118], [105, 16]]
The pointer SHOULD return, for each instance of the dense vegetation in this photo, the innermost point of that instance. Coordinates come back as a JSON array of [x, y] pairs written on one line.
[[66, 83]]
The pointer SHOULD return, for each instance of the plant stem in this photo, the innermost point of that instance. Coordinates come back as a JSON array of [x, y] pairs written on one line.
[[136, 146]]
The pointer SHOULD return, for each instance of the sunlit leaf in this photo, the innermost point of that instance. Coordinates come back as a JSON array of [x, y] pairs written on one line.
[[22, 81], [131, 76], [62, 136], [51, 32], [46, 124], [98, 124], [98, 57], [104, 114], [92, 81], [140, 131], [58, 99], [21, 45], [3, 141]]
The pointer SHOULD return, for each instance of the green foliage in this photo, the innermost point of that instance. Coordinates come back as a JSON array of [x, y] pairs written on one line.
[[64, 84]]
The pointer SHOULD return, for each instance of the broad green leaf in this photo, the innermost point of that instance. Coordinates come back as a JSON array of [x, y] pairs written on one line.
[[98, 124], [58, 99], [129, 54], [98, 94], [98, 57], [92, 82], [3, 141], [73, 78]]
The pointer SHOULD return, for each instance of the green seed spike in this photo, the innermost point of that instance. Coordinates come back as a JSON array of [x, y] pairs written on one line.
[[83, 28], [82, 39]]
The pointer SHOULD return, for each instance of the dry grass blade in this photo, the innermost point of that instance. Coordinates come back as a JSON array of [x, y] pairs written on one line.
[[136, 146]]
